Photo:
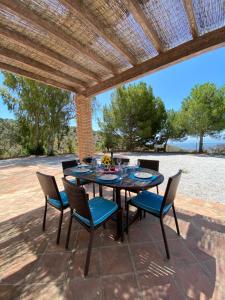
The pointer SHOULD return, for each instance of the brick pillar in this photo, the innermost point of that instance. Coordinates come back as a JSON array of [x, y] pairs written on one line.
[[85, 138]]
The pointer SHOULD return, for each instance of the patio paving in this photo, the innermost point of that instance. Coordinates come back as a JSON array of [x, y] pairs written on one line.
[[32, 266]]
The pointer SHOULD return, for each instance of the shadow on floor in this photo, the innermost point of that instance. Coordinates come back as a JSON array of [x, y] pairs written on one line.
[[32, 265]]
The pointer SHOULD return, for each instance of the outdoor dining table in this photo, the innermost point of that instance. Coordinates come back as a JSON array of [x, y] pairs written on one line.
[[126, 180]]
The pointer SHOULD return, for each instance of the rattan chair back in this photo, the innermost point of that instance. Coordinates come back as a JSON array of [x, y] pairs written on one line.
[[149, 164], [49, 186]]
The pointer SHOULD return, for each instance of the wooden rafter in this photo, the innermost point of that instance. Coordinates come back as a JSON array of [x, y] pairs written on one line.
[[44, 51], [79, 9], [146, 26], [28, 74], [188, 6], [189, 49], [24, 41], [38, 65], [23, 12]]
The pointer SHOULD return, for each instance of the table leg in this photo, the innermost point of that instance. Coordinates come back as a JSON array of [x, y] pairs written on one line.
[[100, 191], [118, 197], [119, 216]]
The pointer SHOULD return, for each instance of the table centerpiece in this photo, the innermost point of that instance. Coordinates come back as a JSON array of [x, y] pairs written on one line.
[[106, 162]]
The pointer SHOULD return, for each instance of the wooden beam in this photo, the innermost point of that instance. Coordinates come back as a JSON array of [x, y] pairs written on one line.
[[38, 65], [187, 50], [34, 76], [188, 6], [24, 41], [23, 12], [146, 26], [77, 8]]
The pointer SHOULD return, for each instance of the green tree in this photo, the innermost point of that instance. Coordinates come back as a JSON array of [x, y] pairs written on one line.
[[109, 138], [58, 111], [42, 112], [134, 117], [203, 111], [172, 128], [9, 138]]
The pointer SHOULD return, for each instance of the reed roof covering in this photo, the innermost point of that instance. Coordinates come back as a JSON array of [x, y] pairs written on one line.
[[91, 45]]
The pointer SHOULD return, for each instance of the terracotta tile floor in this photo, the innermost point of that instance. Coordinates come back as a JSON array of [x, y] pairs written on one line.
[[32, 266]]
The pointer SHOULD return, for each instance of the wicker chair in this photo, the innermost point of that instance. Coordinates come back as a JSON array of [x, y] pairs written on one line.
[[53, 197], [158, 205], [90, 214], [88, 160], [71, 164], [148, 164]]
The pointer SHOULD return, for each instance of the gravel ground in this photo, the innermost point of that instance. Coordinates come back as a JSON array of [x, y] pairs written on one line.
[[203, 177]]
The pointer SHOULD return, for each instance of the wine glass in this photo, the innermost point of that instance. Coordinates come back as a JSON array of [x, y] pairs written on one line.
[[119, 162], [138, 164], [124, 172]]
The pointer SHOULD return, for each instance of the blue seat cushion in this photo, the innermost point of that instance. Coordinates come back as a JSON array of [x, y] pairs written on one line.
[[100, 209], [57, 203], [150, 202], [82, 181]]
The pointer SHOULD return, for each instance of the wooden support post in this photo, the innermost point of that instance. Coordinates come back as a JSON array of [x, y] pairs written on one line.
[[85, 138]]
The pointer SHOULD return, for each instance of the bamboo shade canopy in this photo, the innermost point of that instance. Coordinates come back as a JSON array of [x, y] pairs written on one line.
[[90, 46]]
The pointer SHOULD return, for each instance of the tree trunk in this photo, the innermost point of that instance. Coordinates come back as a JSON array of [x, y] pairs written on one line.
[[50, 147], [59, 140], [37, 132], [165, 145], [200, 149]]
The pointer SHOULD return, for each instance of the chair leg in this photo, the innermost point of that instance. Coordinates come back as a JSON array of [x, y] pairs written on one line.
[[175, 217], [127, 218], [89, 253], [164, 238], [114, 198], [93, 189], [45, 213], [140, 213], [157, 189], [59, 228], [100, 190], [120, 231], [68, 232], [125, 198], [121, 224]]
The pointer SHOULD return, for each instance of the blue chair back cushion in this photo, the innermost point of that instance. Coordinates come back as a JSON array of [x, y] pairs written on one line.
[[100, 209], [150, 202], [57, 203]]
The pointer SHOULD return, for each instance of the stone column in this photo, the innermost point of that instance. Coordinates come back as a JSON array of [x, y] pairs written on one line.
[[85, 138]]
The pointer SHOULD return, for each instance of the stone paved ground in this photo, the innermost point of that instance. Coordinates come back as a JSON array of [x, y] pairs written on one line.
[[32, 266]]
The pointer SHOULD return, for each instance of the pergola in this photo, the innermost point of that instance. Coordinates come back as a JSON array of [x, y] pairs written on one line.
[[90, 46]]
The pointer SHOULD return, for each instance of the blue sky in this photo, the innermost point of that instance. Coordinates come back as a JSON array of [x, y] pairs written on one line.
[[172, 84]]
